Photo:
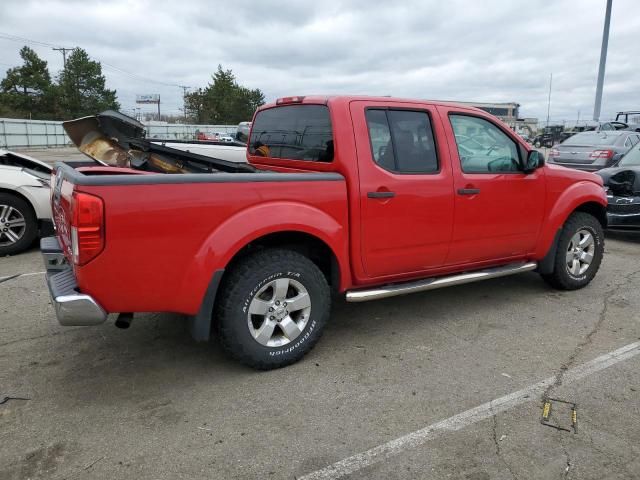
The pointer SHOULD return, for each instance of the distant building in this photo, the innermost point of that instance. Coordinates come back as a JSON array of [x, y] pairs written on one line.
[[509, 113]]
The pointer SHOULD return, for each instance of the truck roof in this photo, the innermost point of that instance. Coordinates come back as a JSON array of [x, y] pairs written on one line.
[[341, 99]]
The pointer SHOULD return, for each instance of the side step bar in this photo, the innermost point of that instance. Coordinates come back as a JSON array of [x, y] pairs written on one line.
[[438, 282]]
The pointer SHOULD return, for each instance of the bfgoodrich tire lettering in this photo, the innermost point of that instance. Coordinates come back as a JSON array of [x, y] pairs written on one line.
[[272, 308], [579, 253]]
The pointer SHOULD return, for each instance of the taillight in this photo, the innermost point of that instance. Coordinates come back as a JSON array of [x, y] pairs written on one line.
[[608, 154], [87, 227], [554, 152]]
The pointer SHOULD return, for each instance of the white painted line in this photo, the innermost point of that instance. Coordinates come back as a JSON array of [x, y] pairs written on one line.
[[18, 275], [486, 410], [32, 273]]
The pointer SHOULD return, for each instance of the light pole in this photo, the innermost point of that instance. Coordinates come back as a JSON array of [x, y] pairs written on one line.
[[549, 100], [603, 61]]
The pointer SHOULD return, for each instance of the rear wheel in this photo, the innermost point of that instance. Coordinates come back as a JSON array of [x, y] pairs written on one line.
[[272, 309], [579, 253], [18, 224]]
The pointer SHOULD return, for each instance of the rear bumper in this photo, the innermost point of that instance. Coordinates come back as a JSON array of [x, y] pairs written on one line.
[[72, 307], [585, 167]]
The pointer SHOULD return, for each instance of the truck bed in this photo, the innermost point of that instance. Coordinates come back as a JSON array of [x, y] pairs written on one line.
[[165, 235]]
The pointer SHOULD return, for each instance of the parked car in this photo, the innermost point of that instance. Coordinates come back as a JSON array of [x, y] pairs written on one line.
[[361, 196], [591, 151], [622, 183], [25, 209]]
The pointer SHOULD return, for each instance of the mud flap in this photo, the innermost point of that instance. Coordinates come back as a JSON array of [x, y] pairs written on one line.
[[546, 265], [200, 323]]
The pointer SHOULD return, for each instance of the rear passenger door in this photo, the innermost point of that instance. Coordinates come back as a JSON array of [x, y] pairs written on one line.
[[406, 187]]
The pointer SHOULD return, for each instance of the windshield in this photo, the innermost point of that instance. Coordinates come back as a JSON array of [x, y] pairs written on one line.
[[632, 158], [593, 138]]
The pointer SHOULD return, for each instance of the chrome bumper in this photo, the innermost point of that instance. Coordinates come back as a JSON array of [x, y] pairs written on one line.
[[72, 307]]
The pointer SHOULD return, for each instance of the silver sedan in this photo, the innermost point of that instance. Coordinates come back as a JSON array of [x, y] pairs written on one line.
[[592, 151]]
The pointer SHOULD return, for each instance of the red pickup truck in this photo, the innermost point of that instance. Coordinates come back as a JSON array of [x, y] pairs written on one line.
[[360, 196]]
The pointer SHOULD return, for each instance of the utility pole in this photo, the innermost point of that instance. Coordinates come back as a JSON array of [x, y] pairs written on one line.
[[64, 54], [603, 61], [184, 100], [158, 107], [549, 101]]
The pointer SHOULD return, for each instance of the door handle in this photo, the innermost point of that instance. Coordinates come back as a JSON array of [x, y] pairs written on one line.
[[468, 191], [381, 194]]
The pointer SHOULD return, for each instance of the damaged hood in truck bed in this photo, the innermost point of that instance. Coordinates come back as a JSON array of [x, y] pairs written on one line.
[[118, 140]]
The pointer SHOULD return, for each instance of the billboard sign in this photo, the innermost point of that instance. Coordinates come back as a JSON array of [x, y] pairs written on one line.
[[148, 98]]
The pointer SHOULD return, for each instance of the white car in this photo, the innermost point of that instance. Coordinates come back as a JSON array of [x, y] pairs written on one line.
[[25, 211]]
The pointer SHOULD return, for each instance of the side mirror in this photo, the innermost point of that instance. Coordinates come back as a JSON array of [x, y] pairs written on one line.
[[534, 160]]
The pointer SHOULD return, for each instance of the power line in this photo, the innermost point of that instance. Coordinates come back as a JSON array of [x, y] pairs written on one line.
[[139, 77], [16, 38]]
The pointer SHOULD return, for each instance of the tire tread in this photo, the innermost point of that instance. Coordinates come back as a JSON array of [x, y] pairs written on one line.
[[232, 295]]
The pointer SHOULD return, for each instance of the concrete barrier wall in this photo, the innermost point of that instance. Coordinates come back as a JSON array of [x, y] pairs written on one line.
[[44, 133]]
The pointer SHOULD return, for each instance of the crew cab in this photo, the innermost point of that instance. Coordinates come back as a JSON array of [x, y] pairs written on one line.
[[359, 196]]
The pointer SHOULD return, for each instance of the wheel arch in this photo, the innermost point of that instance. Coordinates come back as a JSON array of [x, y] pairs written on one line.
[[21, 196], [307, 229], [588, 197], [311, 246], [594, 208]]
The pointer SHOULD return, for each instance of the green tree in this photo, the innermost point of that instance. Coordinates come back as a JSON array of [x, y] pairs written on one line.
[[27, 90], [81, 87], [223, 100]]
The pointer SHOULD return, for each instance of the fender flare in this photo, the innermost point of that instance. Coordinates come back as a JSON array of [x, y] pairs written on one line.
[[244, 227], [569, 201]]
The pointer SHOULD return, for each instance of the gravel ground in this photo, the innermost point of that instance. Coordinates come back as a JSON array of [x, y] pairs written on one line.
[[149, 403]]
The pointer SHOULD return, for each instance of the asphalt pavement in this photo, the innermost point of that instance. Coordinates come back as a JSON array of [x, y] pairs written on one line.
[[443, 384]]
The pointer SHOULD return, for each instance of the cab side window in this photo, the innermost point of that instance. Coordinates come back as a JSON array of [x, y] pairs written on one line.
[[402, 140], [483, 147]]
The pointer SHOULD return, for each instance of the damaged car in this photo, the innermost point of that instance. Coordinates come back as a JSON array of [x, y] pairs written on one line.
[[622, 184], [25, 211]]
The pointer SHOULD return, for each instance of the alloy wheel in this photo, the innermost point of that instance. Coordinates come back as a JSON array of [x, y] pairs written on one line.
[[279, 312], [580, 252], [12, 225]]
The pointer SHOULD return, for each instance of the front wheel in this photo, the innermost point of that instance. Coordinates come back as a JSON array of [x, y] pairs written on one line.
[[272, 308], [579, 253]]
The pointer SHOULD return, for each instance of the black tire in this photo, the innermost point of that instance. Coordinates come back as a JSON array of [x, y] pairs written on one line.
[[537, 144], [243, 284], [28, 235], [561, 278]]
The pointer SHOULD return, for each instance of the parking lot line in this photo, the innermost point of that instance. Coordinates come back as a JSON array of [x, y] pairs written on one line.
[[457, 422], [11, 277]]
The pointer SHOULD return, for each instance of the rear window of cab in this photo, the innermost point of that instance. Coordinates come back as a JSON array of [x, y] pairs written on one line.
[[293, 132]]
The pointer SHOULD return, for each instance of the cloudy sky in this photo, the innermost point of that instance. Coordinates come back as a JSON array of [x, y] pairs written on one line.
[[468, 50]]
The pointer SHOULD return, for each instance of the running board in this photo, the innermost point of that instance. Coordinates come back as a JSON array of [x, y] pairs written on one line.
[[438, 282]]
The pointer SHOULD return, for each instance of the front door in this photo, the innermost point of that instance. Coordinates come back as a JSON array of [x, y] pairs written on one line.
[[498, 208], [406, 187]]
